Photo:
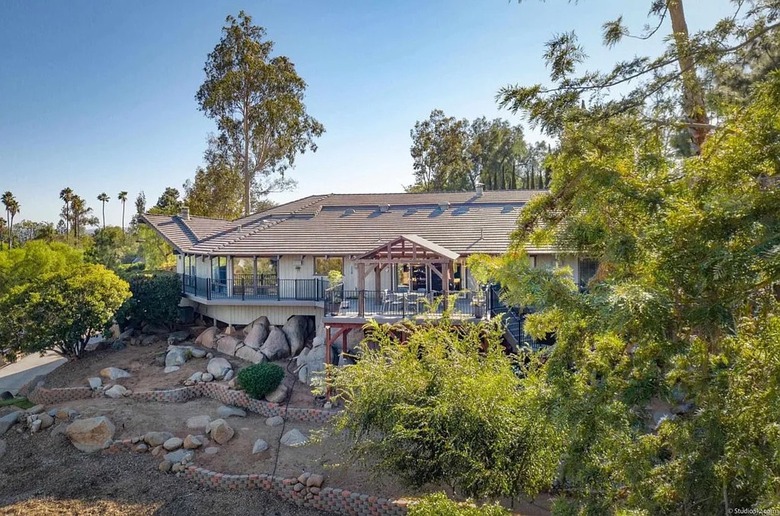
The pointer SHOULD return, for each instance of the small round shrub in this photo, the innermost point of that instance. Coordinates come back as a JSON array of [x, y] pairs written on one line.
[[260, 379], [437, 504]]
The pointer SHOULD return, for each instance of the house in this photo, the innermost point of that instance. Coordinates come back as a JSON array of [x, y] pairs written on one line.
[[400, 254]]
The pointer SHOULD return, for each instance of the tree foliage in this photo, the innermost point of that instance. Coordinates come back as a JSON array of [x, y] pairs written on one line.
[[256, 100], [155, 299]]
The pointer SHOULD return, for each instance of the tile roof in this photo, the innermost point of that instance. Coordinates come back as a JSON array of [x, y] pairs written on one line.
[[353, 224]]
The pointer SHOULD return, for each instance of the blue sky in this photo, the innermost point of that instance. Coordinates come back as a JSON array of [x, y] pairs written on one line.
[[99, 96]]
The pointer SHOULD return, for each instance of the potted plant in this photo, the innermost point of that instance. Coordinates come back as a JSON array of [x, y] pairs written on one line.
[[336, 281]]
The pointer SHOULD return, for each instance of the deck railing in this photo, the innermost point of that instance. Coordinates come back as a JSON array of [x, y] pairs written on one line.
[[260, 287], [403, 304]]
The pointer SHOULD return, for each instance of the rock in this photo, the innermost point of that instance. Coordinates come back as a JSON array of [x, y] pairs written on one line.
[[276, 346], [294, 438], [197, 352], [327, 405], [157, 450], [178, 336], [92, 434], [141, 448], [301, 359], [46, 421], [232, 384], [174, 443], [114, 373], [3, 448], [211, 450], [313, 360], [178, 467], [303, 374], [149, 340], [226, 411], [180, 455], [209, 355], [304, 477], [117, 391], [59, 429], [315, 480], [229, 375], [314, 490], [256, 333], [125, 335], [206, 377], [118, 345], [218, 367], [160, 360], [208, 338], [156, 438], [154, 329], [191, 442], [95, 383], [176, 356], [165, 466], [278, 395], [37, 409], [250, 355], [260, 446], [296, 329], [220, 432], [171, 369], [64, 414], [35, 426], [196, 377], [275, 421], [228, 345], [298, 487]]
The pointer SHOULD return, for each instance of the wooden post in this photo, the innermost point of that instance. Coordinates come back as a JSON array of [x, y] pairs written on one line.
[[377, 281], [361, 289], [446, 282]]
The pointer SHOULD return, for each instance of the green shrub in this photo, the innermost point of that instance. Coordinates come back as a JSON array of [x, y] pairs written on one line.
[[260, 379], [155, 300], [437, 504]]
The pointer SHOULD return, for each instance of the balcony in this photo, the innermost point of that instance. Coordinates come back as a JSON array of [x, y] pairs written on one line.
[[254, 288], [389, 305]]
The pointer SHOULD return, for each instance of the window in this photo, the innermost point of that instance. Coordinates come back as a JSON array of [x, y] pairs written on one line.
[[588, 268], [323, 265]]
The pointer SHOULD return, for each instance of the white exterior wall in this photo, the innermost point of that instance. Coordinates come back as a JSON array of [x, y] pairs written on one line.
[[351, 276], [241, 314], [551, 261]]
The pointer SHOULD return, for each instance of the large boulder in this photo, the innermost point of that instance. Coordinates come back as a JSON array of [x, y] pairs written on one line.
[[313, 361], [250, 355], [296, 329], [218, 367], [294, 438], [207, 339], [278, 395], [176, 356], [91, 435], [257, 332], [178, 336], [220, 432], [228, 345], [156, 438], [276, 346], [9, 420], [114, 373]]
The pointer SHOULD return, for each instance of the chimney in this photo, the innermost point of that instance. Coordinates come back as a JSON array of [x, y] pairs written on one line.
[[185, 213], [479, 186], [384, 208]]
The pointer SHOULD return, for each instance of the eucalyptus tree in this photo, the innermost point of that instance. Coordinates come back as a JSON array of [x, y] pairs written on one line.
[[122, 196], [66, 195], [103, 198], [256, 100], [79, 214], [2, 231]]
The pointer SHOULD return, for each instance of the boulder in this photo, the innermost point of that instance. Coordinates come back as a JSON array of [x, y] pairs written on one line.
[[303, 374], [278, 395], [36, 409], [171, 369], [296, 329], [275, 421], [196, 377], [226, 411], [174, 443], [176, 356], [156, 438], [250, 355], [191, 442], [154, 329], [149, 340], [206, 377], [208, 338], [315, 480], [118, 345], [228, 345], [95, 383], [178, 336], [260, 321], [260, 446], [220, 432], [276, 346], [257, 333], [114, 373], [313, 362], [117, 391], [218, 367], [165, 466], [197, 352], [198, 423], [126, 335], [180, 455], [301, 360], [92, 434], [294, 438], [46, 421], [229, 375]]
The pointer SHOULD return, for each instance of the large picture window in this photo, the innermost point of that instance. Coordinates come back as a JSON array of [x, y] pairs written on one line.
[[323, 265]]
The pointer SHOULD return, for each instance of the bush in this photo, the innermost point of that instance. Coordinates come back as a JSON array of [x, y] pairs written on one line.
[[260, 379], [437, 504], [155, 300]]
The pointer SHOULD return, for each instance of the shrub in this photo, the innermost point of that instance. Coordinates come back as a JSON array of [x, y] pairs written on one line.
[[155, 300], [260, 379], [437, 504]]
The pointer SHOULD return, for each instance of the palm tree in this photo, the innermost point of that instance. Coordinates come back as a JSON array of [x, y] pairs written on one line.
[[66, 194], [79, 211], [104, 199], [2, 230], [11, 209], [123, 197]]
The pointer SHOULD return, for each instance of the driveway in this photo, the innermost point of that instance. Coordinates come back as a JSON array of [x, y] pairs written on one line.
[[14, 376]]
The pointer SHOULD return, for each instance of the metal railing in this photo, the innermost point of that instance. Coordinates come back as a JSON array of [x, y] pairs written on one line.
[[403, 304], [250, 287]]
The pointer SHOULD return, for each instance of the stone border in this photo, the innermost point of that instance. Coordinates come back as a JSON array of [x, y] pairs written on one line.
[[216, 391]]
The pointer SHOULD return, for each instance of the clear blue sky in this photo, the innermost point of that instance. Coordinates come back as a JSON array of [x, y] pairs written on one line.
[[99, 96]]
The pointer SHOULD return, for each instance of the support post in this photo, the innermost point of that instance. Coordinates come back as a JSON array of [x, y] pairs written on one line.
[[361, 289]]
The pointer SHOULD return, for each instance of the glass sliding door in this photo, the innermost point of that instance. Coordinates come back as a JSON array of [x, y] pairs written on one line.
[[219, 266]]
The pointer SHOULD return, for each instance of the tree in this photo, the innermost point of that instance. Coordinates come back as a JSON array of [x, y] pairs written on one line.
[[438, 149], [62, 311], [257, 102], [140, 209], [122, 196], [168, 203], [103, 198], [445, 406], [28, 264], [107, 247], [155, 300], [66, 195], [591, 95], [11, 209], [2, 231], [79, 212]]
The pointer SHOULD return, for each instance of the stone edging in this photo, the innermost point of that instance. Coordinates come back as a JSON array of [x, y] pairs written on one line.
[[216, 391]]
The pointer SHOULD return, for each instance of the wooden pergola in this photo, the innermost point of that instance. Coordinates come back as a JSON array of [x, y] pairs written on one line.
[[404, 250]]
